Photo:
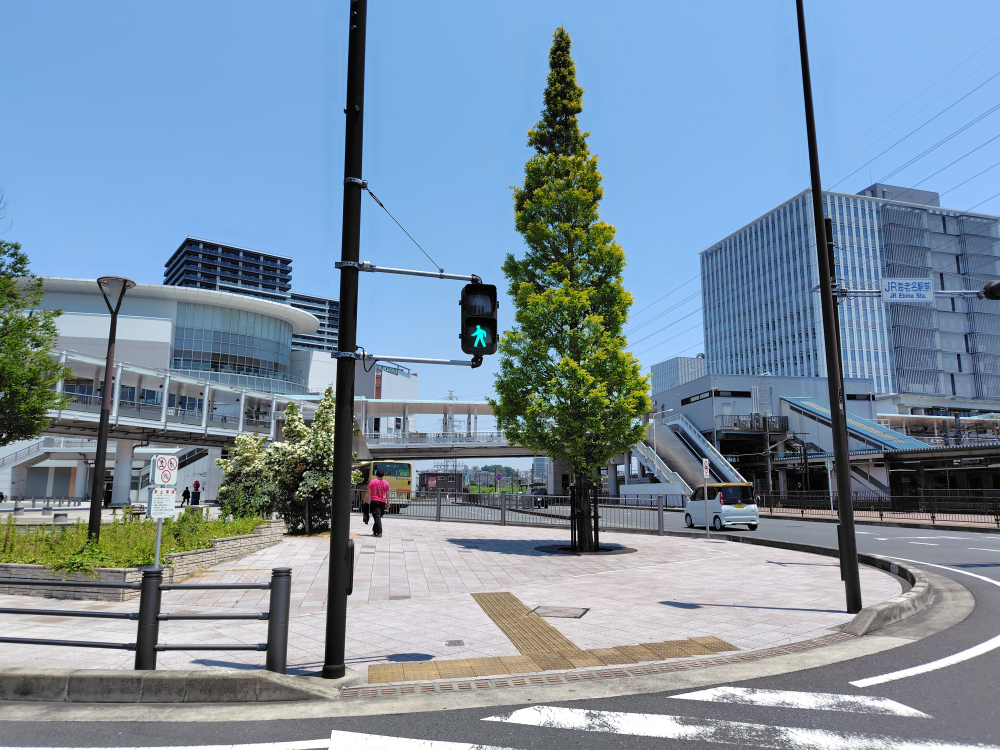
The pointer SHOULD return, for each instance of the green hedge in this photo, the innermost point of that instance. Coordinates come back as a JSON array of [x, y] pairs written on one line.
[[128, 543]]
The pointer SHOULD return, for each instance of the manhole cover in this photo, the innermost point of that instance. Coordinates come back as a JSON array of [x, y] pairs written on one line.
[[574, 612], [454, 643]]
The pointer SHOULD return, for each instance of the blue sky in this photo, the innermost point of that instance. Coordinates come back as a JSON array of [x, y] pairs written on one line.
[[127, 126]]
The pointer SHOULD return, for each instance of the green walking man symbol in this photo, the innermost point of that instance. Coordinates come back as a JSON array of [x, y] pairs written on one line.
[[479, 337]]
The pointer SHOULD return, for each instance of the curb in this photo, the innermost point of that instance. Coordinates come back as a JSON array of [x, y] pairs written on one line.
[[149, 686], [239, 686]]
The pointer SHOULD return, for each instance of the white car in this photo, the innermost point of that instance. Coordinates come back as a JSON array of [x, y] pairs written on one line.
[[728, 504]]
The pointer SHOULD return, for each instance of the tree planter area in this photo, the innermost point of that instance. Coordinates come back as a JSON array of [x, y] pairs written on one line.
[[177, 567]]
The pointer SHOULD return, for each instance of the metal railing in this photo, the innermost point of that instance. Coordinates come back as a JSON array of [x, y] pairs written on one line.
[[965, 506], [752, 423], [644, 515], [149, 617], [422, 438]]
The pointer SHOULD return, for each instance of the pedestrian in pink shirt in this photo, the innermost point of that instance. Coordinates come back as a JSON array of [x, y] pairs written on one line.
[[378, 499]]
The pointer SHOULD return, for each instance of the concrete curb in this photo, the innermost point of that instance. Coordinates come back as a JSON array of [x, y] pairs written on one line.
[[240, 686], [146, 686]]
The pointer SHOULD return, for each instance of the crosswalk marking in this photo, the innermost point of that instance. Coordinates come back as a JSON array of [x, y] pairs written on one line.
[[862, 704], [359, 741], [739, 733]]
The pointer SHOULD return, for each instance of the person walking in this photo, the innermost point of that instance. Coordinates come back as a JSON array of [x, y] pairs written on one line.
[[378, 500], [185, 497]]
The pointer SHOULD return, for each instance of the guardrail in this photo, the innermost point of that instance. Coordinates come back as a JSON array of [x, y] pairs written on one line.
[[965, 506], [522, 509], [423, 438], [149, 617]]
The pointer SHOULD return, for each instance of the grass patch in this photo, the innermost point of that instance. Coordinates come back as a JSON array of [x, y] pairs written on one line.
[[128, 543]]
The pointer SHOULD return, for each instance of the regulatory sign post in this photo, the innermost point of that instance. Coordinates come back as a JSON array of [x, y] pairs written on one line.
[[704, 468], [162, 494]]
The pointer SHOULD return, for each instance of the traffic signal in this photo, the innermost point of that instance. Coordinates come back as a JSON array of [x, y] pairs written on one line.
[[992, 290], [479, 319]]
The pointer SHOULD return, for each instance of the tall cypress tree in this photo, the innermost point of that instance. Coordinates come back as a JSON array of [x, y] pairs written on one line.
[[566, 385]]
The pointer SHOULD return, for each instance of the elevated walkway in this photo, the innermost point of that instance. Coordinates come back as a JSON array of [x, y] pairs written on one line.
[[873, 435]]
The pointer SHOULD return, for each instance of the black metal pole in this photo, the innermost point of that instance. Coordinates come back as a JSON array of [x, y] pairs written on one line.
[[277, 620], [148, 631], [340, 517], [831, 333]]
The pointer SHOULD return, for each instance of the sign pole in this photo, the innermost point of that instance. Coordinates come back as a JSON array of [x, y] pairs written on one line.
[[704, 467], [159, 529]]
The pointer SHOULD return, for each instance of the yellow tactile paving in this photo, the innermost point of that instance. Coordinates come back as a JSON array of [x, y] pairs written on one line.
[[552, 661], [530, 634], [713, 643], [675, 649], [516, 664], [582, 659], [635, 654], [487, 666], [607, 656], [455, 668], [385, 673], [420, 670]]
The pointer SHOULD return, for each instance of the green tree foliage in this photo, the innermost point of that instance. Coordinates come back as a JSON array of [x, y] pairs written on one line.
[[293, 477], [246, 486], [566, 386], [28, 373]]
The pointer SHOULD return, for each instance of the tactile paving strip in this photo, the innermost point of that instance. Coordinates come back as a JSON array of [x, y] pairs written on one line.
[[525, 680], [529, 633]]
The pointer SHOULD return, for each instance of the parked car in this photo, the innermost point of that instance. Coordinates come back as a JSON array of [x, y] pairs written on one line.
[[728, 503]]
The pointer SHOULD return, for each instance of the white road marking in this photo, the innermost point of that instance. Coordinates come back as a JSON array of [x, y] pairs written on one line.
[[861, 704], [926, 544], [881, 539], [986, 549], [969, 653], [323, 744], [359, 741], [739, 733]]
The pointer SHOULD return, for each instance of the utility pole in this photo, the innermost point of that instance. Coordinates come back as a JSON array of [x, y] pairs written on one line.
[[831, 333], [340, 567]]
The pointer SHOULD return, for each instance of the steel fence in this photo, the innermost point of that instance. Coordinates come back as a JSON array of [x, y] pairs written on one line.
[[963, 506], [149, 617]]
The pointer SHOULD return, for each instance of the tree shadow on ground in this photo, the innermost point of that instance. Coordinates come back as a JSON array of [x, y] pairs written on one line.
[[524, 547], [694, 605]]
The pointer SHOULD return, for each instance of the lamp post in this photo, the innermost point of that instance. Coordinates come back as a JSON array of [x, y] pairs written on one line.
[[113, 290]]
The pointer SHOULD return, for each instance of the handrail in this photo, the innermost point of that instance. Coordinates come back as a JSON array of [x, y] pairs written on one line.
[[660, 465], [695, 434]]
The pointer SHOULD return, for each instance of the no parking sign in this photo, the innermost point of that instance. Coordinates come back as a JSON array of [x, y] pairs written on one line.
[[163, 471]]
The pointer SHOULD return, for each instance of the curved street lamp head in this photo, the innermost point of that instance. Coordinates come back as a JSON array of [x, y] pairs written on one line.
[[113, 289]]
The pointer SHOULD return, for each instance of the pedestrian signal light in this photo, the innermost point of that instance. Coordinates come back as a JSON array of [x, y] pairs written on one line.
[[479, 319]]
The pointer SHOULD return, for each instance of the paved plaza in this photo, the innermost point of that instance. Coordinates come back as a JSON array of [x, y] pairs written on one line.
[[414, 602]]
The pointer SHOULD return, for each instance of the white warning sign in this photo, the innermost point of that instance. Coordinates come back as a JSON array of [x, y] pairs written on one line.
[[163, 471], [162, 501]]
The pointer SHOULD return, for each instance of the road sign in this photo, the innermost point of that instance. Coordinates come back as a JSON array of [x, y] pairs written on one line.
[[907, 290], [704, 467], [499, 477], [163, 471], [162, 501]]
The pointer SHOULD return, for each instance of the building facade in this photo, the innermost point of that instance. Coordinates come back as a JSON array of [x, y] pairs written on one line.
[[227, 268], [676, 371], [327, 312], [761, 314]]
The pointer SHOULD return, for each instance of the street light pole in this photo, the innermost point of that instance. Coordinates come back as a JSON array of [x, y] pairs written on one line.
[[340, 567], [113, 289], [831, 332]]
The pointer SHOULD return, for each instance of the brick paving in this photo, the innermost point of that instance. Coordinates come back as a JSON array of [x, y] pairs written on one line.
[[412, 600]]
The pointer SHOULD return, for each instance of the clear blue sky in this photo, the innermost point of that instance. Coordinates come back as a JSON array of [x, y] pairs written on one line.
[[127, 126]]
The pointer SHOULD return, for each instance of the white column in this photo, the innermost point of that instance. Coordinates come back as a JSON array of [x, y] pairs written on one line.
[[475, 422], [612, 479], [274, 421], [243, 398], [206, 405], [166, 400], [48, 482], [116, 393], [123, 472], [80, 485]]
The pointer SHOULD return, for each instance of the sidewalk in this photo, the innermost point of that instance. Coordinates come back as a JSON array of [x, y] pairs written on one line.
[[451, 599]]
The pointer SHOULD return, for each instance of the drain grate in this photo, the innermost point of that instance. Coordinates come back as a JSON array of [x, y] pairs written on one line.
[[454, 643]]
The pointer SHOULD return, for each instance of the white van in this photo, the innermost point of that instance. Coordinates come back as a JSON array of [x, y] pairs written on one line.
[[728, 503]]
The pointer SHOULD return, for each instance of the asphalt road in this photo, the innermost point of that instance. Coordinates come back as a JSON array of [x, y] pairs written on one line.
[[956, 704]]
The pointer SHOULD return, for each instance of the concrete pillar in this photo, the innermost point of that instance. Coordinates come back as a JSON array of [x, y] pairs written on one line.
[[123, 472], [49, 481], [628, 466], [613, 480], [80, 485], [165, 399]]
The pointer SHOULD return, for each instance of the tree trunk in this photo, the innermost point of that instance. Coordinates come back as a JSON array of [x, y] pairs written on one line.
[[308, 525], [583, 516]]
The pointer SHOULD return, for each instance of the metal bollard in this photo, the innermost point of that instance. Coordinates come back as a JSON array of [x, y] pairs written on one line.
[[503, 509], [437, 512], [149, 619], [659, 515], [277, 620]]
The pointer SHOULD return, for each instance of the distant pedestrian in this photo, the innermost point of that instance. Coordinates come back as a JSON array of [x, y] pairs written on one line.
[[185, 497], [378, 500]]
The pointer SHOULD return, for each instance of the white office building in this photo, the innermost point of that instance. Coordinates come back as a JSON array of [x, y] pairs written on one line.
[[676, 371], [762, 315]]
